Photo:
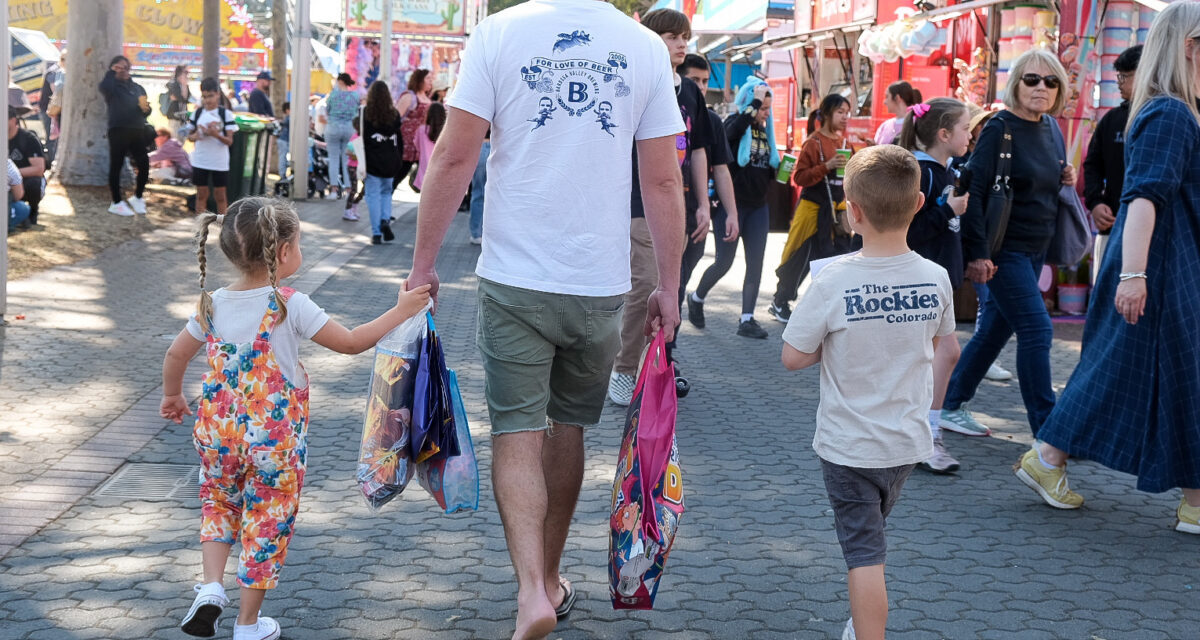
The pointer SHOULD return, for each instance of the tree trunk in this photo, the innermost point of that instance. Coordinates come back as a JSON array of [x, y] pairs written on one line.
[[212, 39], [94, 31], [279, 53]]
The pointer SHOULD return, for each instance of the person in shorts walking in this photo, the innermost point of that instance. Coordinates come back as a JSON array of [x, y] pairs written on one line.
[[886, 299], [212, 129], [555, 259]]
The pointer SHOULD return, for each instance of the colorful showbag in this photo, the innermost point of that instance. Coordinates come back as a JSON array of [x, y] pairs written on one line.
[[384, 462], [434, 436], [454, 481], [647, 498]]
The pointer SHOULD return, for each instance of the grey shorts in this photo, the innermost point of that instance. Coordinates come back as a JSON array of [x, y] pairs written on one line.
[[861, 501], [545, 355]]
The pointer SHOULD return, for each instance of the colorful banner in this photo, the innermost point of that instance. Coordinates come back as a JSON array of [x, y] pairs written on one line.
[[160, 34], [430, 17]]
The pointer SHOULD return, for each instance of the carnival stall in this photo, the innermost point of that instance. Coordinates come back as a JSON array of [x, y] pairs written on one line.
[[426, 34]]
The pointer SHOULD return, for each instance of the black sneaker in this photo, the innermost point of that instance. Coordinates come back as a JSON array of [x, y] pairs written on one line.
[[781, 312], [751, 329], [386, 230], [377, 239], [682, 386], [695, 312]]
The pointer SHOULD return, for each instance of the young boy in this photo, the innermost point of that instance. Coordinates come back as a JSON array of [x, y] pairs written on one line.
[[212, 128], [872, 424], [283, 137]]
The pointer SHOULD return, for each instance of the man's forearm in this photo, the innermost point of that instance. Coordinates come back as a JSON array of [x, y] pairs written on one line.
[[665, 218], [446, 182]]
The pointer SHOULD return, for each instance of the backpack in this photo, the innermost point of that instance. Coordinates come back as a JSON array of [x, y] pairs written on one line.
[[164, 104], [220, 114]]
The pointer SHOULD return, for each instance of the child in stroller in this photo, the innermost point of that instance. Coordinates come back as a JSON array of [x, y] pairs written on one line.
[[318, 171]]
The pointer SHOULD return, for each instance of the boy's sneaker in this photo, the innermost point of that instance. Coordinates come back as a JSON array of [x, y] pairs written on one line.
[[1187, 518], [265, 629], [941, 461], [201, 619], [620, 388], [960, 421], [751, 329], [781, 312], [121, 209], [848, 632], [695, 312], [998, 373], [138, 205], [1050, 484]]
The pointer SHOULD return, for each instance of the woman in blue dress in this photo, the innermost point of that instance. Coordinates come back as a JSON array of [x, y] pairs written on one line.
[[1133, 403]]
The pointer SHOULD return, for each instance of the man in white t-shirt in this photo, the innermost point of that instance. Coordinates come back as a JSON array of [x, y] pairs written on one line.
[[212, 128], [555, 259]]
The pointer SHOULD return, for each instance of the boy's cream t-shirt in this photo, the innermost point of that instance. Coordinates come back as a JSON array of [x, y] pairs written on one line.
[[875, 320]]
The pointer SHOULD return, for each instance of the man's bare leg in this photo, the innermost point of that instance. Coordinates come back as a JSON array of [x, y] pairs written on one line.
[[562, 468], [520, 487]]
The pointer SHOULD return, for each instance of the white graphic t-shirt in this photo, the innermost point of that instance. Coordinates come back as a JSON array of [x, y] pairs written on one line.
[[568, 86], [212, 154], [874, 320]]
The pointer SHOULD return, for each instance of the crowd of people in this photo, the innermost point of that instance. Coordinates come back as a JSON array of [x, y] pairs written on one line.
[[574, 275]]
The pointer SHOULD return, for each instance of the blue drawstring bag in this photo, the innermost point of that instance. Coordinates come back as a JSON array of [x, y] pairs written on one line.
[[454, 481]]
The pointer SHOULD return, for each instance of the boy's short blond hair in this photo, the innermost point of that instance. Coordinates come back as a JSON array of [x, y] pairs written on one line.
[[885, 182]]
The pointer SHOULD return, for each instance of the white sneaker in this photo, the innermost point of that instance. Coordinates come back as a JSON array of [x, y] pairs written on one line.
[[620, 388], [477, 240], [998, 373], [942, 461], [201, 620], [121, 209], [961, 421], [848, 632], [138, 204], [265, 629]]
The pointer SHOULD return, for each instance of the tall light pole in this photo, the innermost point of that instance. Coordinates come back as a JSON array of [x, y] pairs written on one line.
[[301, 61], [4, 53]]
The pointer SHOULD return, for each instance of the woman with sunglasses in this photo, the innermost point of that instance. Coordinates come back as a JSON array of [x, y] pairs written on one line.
[[1033, 96], [1131, 404]]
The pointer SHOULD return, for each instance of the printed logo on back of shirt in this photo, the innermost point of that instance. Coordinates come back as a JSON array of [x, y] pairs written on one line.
[[575, 86], [894, 304]]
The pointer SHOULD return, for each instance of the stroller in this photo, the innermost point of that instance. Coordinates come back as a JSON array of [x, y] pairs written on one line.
[[318, 171]]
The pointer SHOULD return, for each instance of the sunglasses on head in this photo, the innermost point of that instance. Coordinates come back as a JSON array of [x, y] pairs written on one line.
[[1033, 79]]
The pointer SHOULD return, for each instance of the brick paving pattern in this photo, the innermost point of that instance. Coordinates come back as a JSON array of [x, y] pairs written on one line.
[[971, 556]]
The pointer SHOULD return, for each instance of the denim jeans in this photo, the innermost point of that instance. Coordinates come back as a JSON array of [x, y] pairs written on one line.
[[754, 224], [379, 200], [478, 183], [1014, 304], [337, 139], [281, 145]]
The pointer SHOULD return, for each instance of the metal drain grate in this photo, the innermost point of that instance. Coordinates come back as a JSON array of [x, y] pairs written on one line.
[[150, 481]]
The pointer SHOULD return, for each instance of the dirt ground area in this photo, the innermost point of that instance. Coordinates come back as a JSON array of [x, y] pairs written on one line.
[[76, 225]]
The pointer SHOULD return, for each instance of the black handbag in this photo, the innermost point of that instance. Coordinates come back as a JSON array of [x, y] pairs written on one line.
[[998, 206]]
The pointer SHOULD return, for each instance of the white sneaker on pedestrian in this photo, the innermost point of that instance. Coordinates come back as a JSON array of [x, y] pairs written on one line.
[[121, 209], [265, 629], [138, 205], [620, 388], [998, 373], [476, 240], [201, 620], [941, 461], [350, 215], [961, 421], [848, 632]]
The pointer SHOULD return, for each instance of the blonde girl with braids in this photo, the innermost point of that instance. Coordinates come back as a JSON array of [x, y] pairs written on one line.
[[253, 412]]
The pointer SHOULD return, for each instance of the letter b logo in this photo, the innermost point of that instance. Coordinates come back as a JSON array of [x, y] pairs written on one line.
[[577, 92]]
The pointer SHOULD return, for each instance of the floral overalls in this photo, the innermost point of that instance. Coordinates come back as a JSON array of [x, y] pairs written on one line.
[[250, 434]]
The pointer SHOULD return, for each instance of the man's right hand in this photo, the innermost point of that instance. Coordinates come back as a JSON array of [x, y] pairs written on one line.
[[1104, 216], [662, 312], [423, 277]]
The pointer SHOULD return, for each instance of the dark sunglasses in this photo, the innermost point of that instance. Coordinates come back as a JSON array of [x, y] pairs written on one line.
[[1032, 80]]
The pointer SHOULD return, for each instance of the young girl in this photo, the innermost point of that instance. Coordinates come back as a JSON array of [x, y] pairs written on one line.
[[810, 236], [253, 415], [899, 98], [427, 136], [936, 132], [212, 129], [382, 145], [354, 152]]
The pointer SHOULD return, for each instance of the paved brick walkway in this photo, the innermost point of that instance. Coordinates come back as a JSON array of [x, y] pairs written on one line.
[[972, 556]]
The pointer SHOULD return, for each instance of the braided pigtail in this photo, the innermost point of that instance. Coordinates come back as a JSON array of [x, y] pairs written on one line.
[[205, 306], [268, 226]]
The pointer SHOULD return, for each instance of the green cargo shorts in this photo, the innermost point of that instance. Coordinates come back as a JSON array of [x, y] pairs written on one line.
[[545, 355]]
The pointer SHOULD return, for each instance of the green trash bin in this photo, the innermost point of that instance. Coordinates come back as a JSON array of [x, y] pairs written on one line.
[[245, 156]]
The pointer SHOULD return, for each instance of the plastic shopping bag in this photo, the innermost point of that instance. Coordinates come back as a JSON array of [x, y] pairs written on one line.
[[454, 481], [647, 498], [384, 461]]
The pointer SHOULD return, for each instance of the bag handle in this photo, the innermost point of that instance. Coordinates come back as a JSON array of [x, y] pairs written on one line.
[[825, 181]]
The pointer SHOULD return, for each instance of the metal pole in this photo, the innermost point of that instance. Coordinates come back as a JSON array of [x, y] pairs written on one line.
[[5, 51], [301, 89], [211, 39], [385, 46]]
